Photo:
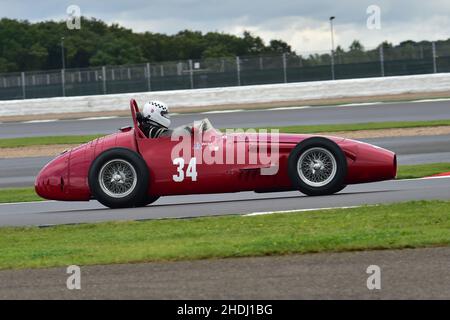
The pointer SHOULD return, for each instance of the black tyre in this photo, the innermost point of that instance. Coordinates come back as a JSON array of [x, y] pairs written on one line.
[[317, 166], [341, 188], [146, 202], [118, 178]]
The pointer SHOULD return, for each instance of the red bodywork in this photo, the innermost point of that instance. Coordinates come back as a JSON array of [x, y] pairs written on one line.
[[66, 177]]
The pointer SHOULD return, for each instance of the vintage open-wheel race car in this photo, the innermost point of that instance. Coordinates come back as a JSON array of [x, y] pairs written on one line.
[[127, 169]]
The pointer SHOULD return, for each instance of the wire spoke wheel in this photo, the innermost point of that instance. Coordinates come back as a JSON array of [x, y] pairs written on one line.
[[117, 178], [317, 167]]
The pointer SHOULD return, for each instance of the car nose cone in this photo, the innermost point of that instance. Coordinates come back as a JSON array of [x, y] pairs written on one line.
[[51, 182]]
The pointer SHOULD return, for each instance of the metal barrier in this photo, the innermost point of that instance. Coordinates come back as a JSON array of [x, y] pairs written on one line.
[[224, 72]]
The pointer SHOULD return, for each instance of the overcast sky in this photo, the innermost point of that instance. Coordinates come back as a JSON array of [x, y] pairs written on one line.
[[303, 24]]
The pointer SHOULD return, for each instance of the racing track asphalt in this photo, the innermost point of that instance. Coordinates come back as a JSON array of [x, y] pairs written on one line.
[[419, 273], [399, 111], [53, 212], [20, 172], [405, 274]]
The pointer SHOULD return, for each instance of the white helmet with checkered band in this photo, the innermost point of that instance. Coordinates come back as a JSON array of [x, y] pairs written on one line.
[[158, 112]]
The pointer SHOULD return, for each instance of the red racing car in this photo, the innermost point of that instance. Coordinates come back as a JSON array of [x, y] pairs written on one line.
[[127, 169]]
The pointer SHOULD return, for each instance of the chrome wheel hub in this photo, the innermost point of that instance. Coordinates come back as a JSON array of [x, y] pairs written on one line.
[[117, 178], [317, 167]]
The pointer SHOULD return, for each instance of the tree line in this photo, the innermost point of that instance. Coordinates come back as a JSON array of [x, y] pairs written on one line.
[[37, 46], [28, 46]]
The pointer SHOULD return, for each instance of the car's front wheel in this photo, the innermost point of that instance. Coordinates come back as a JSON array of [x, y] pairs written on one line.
[[148, 200], [317, 166], [118, 178]]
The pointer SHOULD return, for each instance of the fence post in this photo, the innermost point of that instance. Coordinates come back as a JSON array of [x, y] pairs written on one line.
[[191, 74], [382, 60], [284, 68], [63, 82], [433, 47], [238, 69], [104, 79], [23, 85], [149, 83], [332, 64]]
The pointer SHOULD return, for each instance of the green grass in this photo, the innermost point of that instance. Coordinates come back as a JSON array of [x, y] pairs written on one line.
[[18, 195], [422, 170], [403, 225], [32, 141], [404, 172], [363, 126]]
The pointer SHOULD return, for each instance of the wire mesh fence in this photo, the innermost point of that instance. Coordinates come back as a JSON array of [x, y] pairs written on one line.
[[228, 71]]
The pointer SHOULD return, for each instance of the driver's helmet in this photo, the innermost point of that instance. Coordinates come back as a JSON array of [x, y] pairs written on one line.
[[157, 112]]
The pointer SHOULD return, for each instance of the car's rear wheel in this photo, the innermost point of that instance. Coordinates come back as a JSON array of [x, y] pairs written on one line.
[[118, 178], [317, 166]]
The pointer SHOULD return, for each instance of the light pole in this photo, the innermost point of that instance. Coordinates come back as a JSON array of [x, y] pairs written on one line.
[[332, 46], [63, 70], [62, 54]]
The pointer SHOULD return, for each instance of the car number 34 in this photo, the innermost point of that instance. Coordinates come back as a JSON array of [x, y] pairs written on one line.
[[191, 170]]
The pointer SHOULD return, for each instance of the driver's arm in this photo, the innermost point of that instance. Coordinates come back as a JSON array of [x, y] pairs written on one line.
[[157, 132]]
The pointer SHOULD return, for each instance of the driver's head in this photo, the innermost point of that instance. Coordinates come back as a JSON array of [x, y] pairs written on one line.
[[157, 112]]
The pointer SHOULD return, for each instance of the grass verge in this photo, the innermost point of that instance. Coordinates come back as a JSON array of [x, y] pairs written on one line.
[[363, 126], [402, 225], [422, 170], [404, 172], [8, 195], [33, 141]]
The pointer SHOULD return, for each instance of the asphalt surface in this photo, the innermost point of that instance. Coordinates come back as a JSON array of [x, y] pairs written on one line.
[[54, 212], [411, 150], [404, 111], [20, 172], [405, 274]]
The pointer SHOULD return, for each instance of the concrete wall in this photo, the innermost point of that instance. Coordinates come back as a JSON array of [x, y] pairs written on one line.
[[235, 95]]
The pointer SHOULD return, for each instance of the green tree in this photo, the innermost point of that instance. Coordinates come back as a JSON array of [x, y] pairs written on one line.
[[356, 46], [279, 46]]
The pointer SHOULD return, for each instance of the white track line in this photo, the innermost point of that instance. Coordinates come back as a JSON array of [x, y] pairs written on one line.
[[436, 177], [27, 202], [359, 104], [286, 108], [430, 100], [40, 121], [297, 210], [223, 111], [98, 118]]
